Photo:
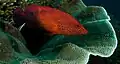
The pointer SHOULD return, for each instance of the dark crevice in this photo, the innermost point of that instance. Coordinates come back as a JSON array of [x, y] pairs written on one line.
[[35, 38]]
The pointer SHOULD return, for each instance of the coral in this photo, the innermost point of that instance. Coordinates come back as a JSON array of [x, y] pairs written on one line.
[[7, 7], [101, 38]]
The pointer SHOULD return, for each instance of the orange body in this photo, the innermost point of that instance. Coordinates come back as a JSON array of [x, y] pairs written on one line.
[[55, 21]]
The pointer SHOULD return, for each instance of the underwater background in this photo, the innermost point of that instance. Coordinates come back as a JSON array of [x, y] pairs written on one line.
[[111, 6]]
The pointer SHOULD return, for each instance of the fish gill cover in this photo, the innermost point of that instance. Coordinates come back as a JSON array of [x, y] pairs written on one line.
[[59, 49]]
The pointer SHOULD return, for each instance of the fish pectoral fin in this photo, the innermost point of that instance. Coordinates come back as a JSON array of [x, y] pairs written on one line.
[[20, 28]]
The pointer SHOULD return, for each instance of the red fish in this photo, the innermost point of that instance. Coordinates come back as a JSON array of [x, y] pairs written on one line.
[[53, 20]]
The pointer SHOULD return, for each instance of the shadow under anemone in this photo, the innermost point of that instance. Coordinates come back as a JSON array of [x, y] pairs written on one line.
[[35, 38]]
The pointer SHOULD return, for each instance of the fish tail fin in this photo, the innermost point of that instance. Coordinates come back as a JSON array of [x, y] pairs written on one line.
[[82, 30]]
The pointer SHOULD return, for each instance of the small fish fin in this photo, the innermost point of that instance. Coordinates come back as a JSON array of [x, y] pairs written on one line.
[[50, 34]]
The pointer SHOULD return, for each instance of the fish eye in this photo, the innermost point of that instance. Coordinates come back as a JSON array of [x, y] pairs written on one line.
[[30, 14]]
